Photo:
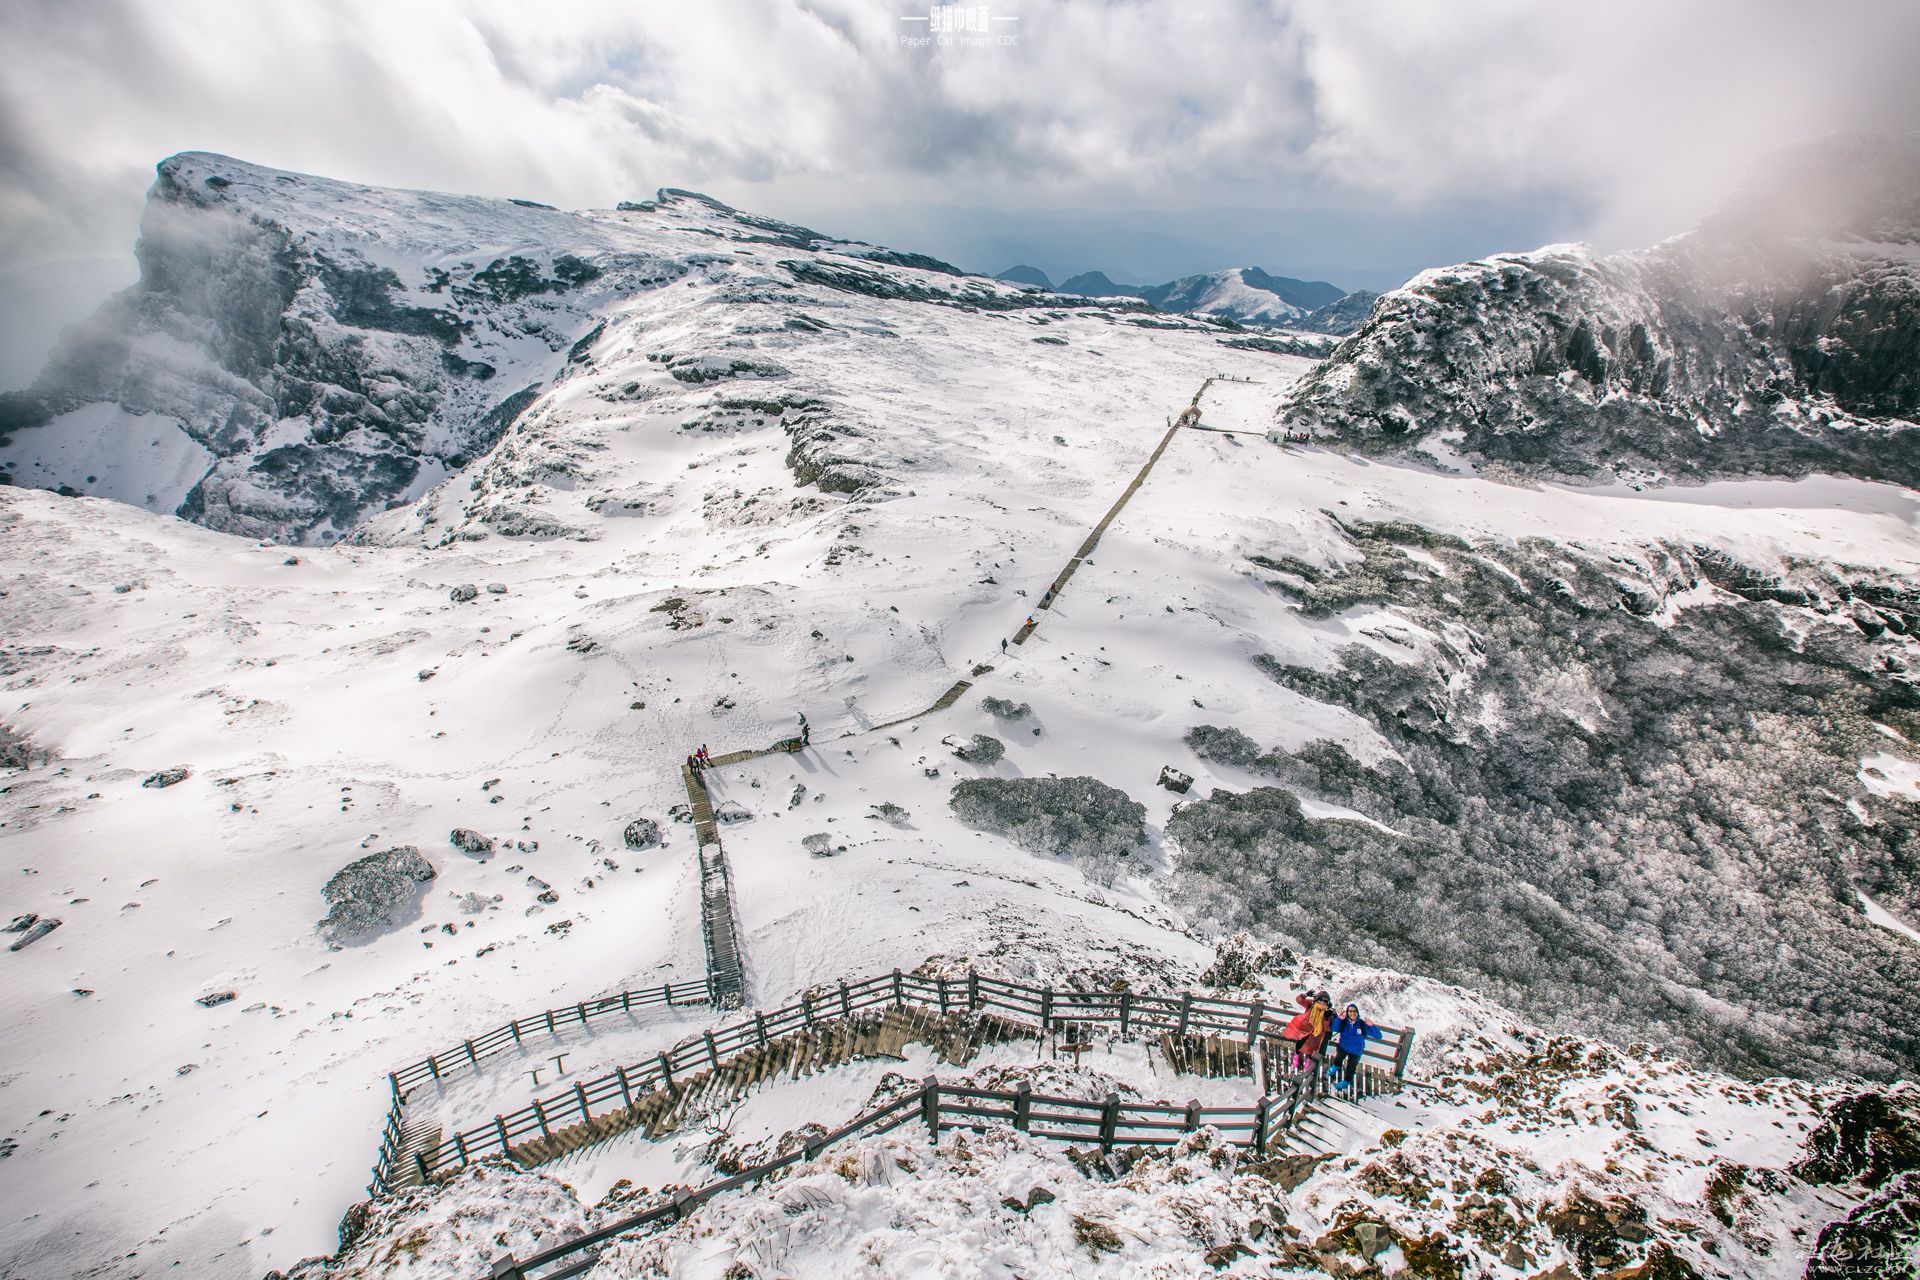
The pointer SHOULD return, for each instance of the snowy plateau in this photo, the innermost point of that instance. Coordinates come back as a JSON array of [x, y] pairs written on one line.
[[369, 571]]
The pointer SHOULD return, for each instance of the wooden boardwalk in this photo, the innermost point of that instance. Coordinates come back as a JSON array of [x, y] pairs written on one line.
[[718, 925], [1189, 417]]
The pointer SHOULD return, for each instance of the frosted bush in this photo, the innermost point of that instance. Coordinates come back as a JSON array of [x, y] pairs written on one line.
[[1098, 828]]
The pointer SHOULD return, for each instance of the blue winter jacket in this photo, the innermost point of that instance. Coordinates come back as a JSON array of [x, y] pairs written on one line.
[[1353, 1036]]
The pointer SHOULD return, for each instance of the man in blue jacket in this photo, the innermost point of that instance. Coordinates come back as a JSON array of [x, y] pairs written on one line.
[[1349, 1034]]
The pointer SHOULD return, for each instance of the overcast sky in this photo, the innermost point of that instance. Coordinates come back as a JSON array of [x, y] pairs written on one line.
[[1365, 137]]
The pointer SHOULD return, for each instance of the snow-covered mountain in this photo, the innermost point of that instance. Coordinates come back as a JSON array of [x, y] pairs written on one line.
[[1778, 338], [1541, 772], [1244, 295], [300, 354]]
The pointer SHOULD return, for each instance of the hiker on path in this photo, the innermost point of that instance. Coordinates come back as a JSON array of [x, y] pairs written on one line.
[[706, 761], [1003, 644], [1350, 1033], [1031, 622], [806, 734], [693, 766]]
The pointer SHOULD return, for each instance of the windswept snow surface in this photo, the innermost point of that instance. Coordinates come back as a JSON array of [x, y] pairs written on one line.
[[666, 584]]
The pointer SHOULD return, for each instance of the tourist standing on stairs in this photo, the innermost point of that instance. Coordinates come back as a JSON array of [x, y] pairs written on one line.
[[1350, 1033]]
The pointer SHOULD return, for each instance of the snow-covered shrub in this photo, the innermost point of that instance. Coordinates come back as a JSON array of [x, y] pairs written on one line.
[[374, 892], [1001, 709], [1596, 807], [1092, 825], [642, 833], [981, 748]]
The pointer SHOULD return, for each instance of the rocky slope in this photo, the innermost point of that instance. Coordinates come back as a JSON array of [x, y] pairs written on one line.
[[1777, 338], [301, 354]]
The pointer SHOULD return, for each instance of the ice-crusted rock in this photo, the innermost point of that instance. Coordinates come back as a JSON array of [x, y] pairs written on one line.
[[1777, 338], [467, 840], [167, 777], [464, 592], [15, 751], [642, 833], [374, 892]]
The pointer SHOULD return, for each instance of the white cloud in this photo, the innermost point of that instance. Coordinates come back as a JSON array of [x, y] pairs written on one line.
[[1643, 110]]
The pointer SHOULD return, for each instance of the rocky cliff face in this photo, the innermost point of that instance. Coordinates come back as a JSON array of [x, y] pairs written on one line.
[[331, 350], [1777, 338], [301, 354]]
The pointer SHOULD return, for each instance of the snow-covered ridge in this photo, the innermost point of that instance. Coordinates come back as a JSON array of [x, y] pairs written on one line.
[[307, 353]]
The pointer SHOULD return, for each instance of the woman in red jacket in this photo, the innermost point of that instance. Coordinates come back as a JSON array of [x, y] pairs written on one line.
[[1308, 1029]]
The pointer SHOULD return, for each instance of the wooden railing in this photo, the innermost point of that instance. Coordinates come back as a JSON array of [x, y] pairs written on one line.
[[1130, 1013], [1107, 1124], [437, 1066]]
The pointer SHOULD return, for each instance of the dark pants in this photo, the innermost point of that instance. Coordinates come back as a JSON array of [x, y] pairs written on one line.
[[1346, 1063]]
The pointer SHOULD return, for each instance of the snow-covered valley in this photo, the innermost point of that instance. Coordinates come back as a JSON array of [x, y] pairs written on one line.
[[789, 476]]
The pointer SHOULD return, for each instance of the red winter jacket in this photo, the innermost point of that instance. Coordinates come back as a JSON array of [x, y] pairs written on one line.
[[1303, 1026]]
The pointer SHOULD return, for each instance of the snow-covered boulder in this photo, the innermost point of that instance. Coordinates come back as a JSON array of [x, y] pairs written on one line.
[[374, 892]]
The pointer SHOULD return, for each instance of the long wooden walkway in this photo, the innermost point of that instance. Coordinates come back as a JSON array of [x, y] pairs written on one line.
[[719, 924], [1189, 417]]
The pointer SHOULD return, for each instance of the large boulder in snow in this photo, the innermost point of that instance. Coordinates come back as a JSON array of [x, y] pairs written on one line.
[[374, 893], [642, 833]]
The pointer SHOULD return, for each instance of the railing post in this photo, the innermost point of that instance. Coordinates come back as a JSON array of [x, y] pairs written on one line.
[[666, 1073], [582, 1007], [806, 1009], [940, 988], [973, 989], [549, 1022], [433, 1066], [580, 1092], [899, 996], [1401, 1053], [1109, 1121], [505, 1268], [1046, 1008], [713, 1051], [420, 1163], [472, 1057], [930, 1105], [514, 1027], [682, 1203], [626, 1093], [1186, 1011], [460, 1146], [846, 1001], [394, 1080], [1257, 1012], [500, 1124], [1126, 1002], [1023, 1107], [540, 1114], [1193, 1114], [760, 1025], [1260, 1109]]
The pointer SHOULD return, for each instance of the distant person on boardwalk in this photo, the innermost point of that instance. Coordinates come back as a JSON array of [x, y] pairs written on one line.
[[693, 766], [806, 734], [1003, 644], [706, 761], [1031, 622], [1350, 1034]]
